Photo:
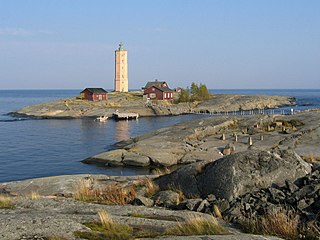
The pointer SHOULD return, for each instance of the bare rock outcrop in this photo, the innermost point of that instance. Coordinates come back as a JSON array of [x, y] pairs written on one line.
[[237, 174], [247, 171]]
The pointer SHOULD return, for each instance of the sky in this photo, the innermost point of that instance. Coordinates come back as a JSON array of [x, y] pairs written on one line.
[[225, 44]]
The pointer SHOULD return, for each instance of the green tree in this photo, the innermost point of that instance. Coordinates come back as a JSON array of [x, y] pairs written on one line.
[[194, 89], [184, 96], [203, 93]]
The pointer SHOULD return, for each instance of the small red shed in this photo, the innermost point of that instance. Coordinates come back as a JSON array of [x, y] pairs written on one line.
[[94, 94], [158, 90]]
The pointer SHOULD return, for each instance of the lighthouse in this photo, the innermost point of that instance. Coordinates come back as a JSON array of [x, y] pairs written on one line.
[[121, 70]]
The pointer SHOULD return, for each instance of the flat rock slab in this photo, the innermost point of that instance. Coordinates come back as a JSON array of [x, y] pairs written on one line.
[[114, 157], [64, 185], [134, 159]]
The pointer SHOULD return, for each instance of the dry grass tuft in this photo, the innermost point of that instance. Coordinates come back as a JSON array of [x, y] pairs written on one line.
[[161, 171], [105, 219], [197, 225], [34, 195], [119, 195], [279, 223], [111, 194], [217, 211], [151, 187], [6, 202], [106, 229], [83, 191], [311, 158]]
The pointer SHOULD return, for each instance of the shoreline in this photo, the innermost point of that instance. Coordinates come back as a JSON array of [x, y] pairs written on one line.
[[72, 108], [207, 139]]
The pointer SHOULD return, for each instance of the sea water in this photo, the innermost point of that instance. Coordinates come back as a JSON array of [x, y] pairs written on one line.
[[31, 148]]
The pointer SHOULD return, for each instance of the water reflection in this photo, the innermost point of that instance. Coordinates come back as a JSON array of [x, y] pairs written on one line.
[[122, 130]]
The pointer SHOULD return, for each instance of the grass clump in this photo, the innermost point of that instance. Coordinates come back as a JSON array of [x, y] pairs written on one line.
[[118, 195], [34, 195], [151, 187], [197, 225], [6, 202], [137, 214], [84, 192], [106, 229], [311, 158], [278, 223], [161, 171], [217, 212], [111, 194]]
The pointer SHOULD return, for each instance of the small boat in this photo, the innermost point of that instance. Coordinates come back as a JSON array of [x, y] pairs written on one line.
[[101, 119]]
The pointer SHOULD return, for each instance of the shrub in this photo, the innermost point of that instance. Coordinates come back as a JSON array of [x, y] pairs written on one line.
[[111, 194], [197, 225], [198, 93], [184, 96]]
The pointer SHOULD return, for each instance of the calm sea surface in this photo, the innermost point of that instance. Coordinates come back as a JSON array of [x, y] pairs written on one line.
[[36, 148]]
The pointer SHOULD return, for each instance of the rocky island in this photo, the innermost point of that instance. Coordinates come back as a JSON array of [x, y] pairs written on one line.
[[237, 176], [134, 102]]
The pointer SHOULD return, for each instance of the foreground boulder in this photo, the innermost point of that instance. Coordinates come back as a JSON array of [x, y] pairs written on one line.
[[237, 174], [299, 198]]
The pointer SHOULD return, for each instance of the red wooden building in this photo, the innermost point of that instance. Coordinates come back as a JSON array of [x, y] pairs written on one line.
[[94, 94], [157, 90]]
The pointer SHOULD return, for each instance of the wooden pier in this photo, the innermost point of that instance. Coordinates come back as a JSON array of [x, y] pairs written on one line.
[[125, 115]]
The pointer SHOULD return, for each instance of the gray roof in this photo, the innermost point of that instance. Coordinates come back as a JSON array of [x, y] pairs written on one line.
[[155, 83], [95, 90], [159, 85]]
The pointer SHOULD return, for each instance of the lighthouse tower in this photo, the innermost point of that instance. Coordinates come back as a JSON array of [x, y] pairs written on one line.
[[121, 70]]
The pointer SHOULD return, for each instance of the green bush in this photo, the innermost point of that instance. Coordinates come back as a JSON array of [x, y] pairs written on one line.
[[196, 93]]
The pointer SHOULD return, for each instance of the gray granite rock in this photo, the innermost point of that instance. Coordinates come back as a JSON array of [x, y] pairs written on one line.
[[134, 159], [113, 157], [166, 198]]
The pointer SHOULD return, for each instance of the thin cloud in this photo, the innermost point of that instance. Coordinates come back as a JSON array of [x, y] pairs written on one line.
[[21, 32], [18, 32]]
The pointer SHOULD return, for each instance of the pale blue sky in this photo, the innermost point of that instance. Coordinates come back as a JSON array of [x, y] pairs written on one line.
[[59, 44]]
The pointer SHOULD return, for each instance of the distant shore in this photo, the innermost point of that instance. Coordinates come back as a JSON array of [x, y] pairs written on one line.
[[133, 102]]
